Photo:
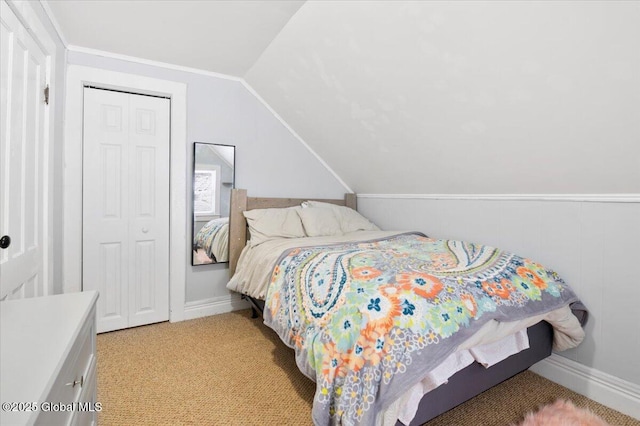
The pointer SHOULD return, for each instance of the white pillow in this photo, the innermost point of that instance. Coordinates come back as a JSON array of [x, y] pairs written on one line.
[[267, 224], [350, 220], [319, 222]]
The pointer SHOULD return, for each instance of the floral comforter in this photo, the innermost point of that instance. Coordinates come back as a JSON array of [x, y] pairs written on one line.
[[213, 239], [368, 320]]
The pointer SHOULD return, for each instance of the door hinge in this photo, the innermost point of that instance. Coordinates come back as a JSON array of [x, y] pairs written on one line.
[[46, 95]]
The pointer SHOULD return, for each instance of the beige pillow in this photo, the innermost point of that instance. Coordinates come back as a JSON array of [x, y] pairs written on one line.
[[349, 219], [319, 222], [267, 224]]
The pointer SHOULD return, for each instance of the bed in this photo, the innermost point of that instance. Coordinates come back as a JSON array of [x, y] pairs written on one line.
[[211, 242], [325, 293]]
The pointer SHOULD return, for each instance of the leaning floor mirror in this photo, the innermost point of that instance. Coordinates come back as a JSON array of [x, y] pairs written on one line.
[[213, 179]]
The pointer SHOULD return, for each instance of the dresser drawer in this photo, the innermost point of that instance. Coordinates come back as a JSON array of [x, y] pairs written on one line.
[[61, 403], [86, 411]]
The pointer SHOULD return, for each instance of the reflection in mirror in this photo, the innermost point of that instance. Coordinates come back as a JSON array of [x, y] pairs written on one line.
[[213, 176]]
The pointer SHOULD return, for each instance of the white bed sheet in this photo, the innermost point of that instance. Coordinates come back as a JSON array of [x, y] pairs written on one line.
[[405, 407]]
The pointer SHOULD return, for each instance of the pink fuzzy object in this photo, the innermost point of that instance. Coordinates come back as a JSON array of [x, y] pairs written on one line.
[[563, 413]]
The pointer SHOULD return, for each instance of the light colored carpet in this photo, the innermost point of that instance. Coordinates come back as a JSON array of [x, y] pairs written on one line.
[[233, 370]]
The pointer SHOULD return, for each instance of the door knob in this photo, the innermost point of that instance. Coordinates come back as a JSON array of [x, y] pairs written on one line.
[[5, 241], [145, 230]]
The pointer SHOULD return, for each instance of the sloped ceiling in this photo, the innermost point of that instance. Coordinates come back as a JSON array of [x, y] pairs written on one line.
[[219, 36], [463, 96], [416, 96]]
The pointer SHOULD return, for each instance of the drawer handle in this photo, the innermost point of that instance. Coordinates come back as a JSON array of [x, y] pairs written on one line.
[[76, 382]]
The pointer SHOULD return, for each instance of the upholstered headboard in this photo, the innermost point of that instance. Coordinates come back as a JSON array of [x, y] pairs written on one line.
[[238, 224]]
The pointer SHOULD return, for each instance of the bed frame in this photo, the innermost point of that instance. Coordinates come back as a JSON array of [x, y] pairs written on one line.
[[463, 385]]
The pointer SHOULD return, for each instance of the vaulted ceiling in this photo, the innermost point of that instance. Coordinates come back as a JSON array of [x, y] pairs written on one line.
[[220, 36], [411, 96]]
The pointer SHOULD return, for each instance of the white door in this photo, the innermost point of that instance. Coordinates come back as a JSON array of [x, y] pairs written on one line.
[[126, 207], [24, 185]]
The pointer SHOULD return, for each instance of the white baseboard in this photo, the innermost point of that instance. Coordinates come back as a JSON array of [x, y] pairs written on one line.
[[604, 388], [214, 306]]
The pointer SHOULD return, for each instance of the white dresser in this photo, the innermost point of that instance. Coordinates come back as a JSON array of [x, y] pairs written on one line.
[[48, 360]]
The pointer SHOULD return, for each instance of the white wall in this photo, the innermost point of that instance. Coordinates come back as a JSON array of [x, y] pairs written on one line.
[[270, 161], [592, 245], [468, 97]]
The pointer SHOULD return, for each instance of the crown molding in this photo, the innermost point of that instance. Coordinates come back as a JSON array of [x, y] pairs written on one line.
[[142, 61]]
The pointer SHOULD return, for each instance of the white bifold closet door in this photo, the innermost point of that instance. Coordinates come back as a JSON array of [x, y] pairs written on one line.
[[126, 207]]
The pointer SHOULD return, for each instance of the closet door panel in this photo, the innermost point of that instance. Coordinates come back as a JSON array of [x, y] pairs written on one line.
[[149, 211], [105, 192]]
